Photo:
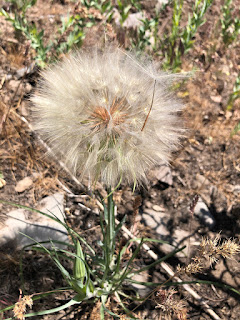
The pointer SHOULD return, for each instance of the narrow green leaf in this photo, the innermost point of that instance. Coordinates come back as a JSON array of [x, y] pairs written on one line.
[[128, 312], [159, 260], [79, 269], [54, 218], [54, 310]]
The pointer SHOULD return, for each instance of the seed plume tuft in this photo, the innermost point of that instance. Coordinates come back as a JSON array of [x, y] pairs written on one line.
[[107, 115]]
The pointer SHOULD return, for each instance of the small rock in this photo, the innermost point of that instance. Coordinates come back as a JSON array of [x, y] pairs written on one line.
[[183, 238], [23, 222], [161, 173], [232, 189], [201, 180], [28, 87], [23, 184], [225, 69], [23, 109], [134, 20], [229, 188], [15, 85], [228, 114], [77, 212], [216, 99], [129, 206], [155, 220], [202, 212], [2, 182], [36, 175], [158, 222], [140, 288], [26, 70], [208, 141], [158, 208], [236, 189], [161, 3], [148, 204], [52, 205]]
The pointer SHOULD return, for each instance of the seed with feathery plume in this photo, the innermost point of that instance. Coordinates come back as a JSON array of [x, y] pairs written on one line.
[[107, 115]]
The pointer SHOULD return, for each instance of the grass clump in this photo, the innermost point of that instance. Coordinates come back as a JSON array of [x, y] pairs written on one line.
[[235, 94], [70, 34], [181, 39], [230, 24]]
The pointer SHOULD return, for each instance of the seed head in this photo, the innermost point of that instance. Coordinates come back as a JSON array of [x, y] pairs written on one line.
[[193, 267], [93, 110], [169, 305], [20, 307], [213, 249]]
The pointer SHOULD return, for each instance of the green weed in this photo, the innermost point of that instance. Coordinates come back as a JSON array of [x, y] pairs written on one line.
[[22, 5], [104, 6], [230, 25], [235, 94], [96, 275], [146, 36], [181, 40], [236, 129], [124, 7], [70, 33], [176, 43]]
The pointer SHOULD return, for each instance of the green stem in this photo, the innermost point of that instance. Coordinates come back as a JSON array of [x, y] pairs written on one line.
[[109, 245]]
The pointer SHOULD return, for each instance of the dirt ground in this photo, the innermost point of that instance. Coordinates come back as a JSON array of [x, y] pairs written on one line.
[[207, 164]]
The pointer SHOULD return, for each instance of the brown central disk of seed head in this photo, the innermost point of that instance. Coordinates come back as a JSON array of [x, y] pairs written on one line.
[[102, 117]]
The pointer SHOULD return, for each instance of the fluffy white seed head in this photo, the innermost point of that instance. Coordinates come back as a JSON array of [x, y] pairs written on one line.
[[93, 110]]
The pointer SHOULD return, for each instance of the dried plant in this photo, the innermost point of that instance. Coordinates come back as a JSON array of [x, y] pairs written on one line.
[[20, 307], [170, 306], [195, 266], [107, 115], [210, 250]]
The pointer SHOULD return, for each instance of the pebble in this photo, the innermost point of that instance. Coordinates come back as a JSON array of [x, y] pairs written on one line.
[[237, 188], [28, 87], [23, 184], [23, 222], [158, 221], [203, 213], [148, 204], [141, 289], [77, 212], [15, 84], [162, 173], [157, 208]]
